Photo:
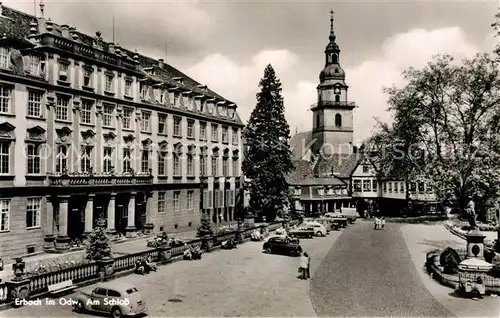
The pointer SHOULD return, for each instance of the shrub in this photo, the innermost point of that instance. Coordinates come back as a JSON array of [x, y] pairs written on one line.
[[98, 246], [450, 265], [205, 228], [444, 256]]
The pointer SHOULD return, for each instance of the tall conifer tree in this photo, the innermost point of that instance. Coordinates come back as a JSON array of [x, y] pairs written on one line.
[[268, 157]]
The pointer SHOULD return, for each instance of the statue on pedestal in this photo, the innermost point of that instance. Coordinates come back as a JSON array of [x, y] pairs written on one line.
[[471, 213]]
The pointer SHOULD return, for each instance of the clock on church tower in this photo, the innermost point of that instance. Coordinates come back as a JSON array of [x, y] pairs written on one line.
[[333, 113]]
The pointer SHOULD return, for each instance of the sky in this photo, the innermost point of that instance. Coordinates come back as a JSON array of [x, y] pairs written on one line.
[[227, 44]]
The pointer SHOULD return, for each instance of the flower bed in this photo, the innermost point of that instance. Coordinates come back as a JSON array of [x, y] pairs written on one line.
[[54, 265]]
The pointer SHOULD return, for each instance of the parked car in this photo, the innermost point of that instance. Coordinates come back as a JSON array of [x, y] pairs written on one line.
[[302, 231], [319, 229], [282, 245], [114, 298], [337, 218]]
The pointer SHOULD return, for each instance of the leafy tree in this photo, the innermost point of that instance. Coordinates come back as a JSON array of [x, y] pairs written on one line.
[[98, 242], [205, 227], [268, 157], [448, 114]]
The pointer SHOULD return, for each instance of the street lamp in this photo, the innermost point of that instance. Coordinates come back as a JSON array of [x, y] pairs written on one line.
[[321, 192]]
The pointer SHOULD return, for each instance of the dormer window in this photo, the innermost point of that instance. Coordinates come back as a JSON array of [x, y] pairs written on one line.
[[63, 72], [109, 83], [87, 77], [35, 67], [145, 92], [321, 191], [4, 57], [128, 87]]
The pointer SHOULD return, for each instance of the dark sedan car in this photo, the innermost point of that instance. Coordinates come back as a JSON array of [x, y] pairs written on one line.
[[282, 245]]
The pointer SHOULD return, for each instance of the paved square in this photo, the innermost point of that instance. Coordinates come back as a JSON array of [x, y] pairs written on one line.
[[241, 282]]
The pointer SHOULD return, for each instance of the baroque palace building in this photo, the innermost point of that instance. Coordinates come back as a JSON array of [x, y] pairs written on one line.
[[89, 129], [330, 172]]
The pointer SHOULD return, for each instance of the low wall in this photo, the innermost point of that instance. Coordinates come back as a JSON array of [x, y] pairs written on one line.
[[434, 268], [36, 286]]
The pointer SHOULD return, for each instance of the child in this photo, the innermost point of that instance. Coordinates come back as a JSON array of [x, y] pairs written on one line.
[[383, 222], [377, 223]]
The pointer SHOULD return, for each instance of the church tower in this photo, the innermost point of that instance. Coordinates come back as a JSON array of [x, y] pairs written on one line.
[[332, 114]]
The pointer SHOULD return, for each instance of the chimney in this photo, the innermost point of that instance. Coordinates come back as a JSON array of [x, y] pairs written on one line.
[[111, 47], [74, 34], [118, 49], [161, 63], [1, 8], [49, 26], [33, 28]]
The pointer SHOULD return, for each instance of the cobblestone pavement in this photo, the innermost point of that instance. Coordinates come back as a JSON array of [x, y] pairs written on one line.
[[422, 238], [241, 282], [370, 273]]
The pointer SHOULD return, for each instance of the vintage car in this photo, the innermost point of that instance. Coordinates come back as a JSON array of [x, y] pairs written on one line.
[[336, 218], [319, 229], [302, 231], [282, 245], [112, 298]]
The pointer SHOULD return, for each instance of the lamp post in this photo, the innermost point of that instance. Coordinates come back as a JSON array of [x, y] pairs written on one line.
[[321, 192]]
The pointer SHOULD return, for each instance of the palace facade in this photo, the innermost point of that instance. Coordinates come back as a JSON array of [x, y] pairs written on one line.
[[91, 130]]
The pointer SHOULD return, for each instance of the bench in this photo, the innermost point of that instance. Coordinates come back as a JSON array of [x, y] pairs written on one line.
[[62, 287]]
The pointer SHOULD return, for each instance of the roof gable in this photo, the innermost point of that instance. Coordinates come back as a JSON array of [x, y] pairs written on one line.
[[338, 165]]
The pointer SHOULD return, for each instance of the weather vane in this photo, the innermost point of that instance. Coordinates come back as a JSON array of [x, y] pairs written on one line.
[[331, 20]]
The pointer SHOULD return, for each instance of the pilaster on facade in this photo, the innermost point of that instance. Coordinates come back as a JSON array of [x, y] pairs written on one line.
[[49, 225], [149, 226], [89, 214], [62, 240], [110, 220], [131, 229]]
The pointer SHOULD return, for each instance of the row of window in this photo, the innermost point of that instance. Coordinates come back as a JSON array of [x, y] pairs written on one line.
[[415, 187], [365, 185], [36, 66], [327, 191], [33, 213], [176, 202], [370, 185], [34, 157], [109, 111]]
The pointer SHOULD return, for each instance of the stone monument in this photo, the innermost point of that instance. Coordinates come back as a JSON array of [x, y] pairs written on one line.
[[473, 268]]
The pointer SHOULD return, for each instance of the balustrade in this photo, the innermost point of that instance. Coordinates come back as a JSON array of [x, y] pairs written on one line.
[[90, 52], [85, 179]]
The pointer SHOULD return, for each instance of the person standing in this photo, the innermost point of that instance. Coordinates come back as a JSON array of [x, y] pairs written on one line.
[[303, 266], [308, 270]]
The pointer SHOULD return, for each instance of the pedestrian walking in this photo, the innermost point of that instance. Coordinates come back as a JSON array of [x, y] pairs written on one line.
[[303, 261], [308, 270], [382, 221], [376, 223]]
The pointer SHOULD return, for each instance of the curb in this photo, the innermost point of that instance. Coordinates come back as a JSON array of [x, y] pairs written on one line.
[[454, 232]]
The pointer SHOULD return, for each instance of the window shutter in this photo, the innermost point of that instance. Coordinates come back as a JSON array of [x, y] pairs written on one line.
[[216, 202], [221, 199], [228, 198]]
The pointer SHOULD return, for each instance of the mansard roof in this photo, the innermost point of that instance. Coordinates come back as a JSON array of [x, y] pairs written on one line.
[[15, 26]]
